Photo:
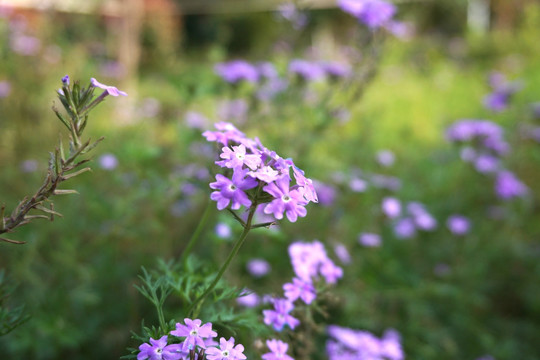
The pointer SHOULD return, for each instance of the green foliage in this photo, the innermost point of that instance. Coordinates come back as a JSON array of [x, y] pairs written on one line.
[[10, 317]]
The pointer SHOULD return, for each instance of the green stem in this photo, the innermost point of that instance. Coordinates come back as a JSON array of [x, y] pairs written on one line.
[[194, 309], [197, 232]]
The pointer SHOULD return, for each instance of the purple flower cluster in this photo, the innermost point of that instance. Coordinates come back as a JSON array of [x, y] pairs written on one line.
[[195, 337], [256, 168], [502, 91], [487, 147], [309, 261], [409, 218], [374, 14], [485, 141], [318, 70], [237, 70], [349, 344], [508, 186]]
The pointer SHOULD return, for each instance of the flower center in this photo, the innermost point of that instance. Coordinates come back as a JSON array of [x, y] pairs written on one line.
[[225, 353], [193, 332], [232, 187], [286, 198], [240, 156]]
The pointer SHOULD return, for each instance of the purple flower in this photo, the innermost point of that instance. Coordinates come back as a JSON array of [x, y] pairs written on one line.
[[485, 163], [110, 90], [458, 224], [337, 69], [306, 185], [310, 259], [300, 289], [358, 185], [385, 158], [391, 207], [237, 157], [227, 351], [233, 110], [258, 267], [25, 45], [29, 166], [237, 70], [158, 350], [342, 253], [194, 333], [5, 89], [108, 162], [325, 193], [496, 101], [290, 202], [232, 190], [369, 239], [508, 186], [404, 228], [279, 317], [373, 13], [307, 70], [278, 350], [249, 300], [65, 80], [195, 120], [266, 174], [223, 231]]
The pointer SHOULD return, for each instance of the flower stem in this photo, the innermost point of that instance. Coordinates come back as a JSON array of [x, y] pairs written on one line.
[[194, 309], [197, 233]]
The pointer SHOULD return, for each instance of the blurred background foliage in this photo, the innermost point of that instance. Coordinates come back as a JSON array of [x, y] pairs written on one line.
[[75, 276]]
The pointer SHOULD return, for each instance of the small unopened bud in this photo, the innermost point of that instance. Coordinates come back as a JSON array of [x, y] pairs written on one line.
[[65, 80]]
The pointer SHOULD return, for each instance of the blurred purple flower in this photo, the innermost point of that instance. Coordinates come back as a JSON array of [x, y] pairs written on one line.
[[342, 253], [279, 317], [458, 224], [337, 69], [25, 45], [237, 70], [29, 166], [486, 163], [196, 120], [307, 70], [369, 239], [258, 267], [108, 162], [150, 107], [373, 13], [223, 231], [404, 228], [290, 12], [230, 110], [251, 300], [112, 69], [278, 350], [391, 207], [385, 158], [358, 185], [508, 186], [300, 289], [5, 88], [326, 193]]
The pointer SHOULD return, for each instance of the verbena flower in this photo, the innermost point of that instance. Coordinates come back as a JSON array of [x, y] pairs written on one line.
[[194, 333], [508, 186], [300, 289], [458, 224], [278, 350], [110, 90], [372, 13], [309, 260], [226, 351], [279, 317], [159, 350], [253, 166], [232, 191], [369, 239], [391, 207], [307, 70], [237, 70], [258, 267], [345, 343]]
